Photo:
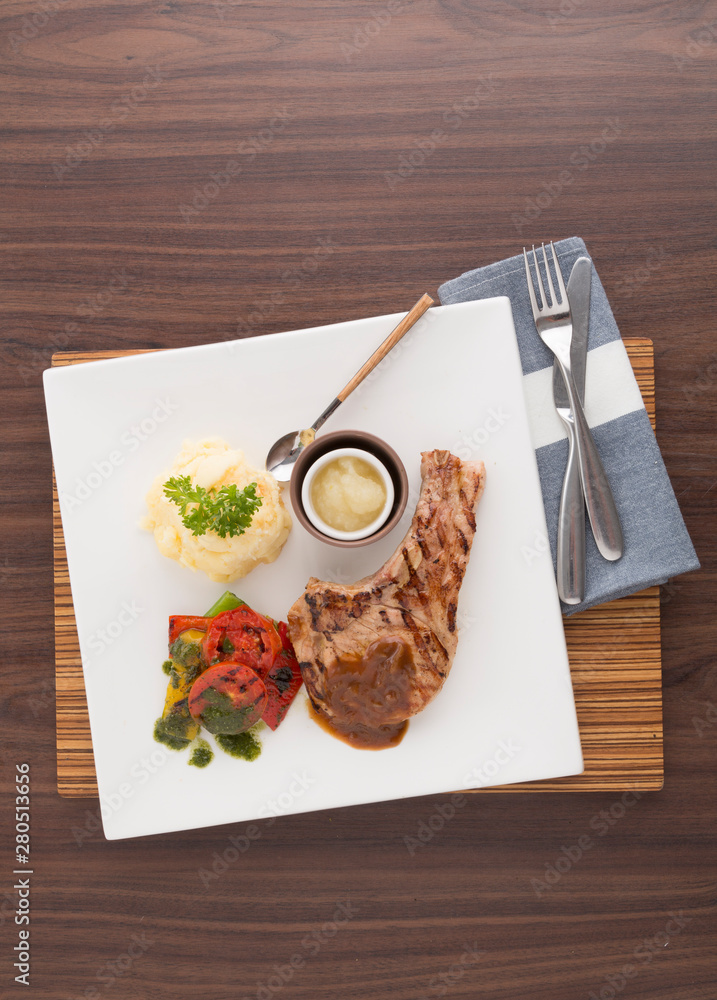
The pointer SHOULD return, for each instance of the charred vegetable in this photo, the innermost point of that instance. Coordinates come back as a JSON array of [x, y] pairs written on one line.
[[176, 728], [242, 636], [227, 670], [282, 681], [228, 698]]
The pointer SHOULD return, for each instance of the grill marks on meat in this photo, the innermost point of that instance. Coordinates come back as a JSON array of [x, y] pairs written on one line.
[[376, 652]]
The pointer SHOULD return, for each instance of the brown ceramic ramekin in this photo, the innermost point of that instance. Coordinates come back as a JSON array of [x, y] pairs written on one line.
[[350, 439]]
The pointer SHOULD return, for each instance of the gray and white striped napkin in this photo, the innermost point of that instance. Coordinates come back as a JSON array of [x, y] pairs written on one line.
[[657, 545]]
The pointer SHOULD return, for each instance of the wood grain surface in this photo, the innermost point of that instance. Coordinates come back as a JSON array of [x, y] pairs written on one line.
[[614, 653], [174, 173]]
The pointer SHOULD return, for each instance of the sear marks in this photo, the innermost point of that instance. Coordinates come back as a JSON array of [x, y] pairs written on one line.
[[376, 652]]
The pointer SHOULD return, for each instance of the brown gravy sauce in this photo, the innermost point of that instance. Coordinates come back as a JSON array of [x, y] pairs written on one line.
[[370, 696]]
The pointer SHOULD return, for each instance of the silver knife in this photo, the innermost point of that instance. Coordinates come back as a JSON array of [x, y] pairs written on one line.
[[571, 519]]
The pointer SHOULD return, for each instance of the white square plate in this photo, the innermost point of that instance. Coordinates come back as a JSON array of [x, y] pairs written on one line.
[[506, 713]]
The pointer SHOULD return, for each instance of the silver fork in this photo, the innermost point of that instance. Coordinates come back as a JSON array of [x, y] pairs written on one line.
[[554, 324]]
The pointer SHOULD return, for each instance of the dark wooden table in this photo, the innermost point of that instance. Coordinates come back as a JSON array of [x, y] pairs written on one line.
[[175, 172]]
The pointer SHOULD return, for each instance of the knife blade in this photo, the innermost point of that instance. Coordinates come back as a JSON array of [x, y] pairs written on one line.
[[571, 519], [579, 298]]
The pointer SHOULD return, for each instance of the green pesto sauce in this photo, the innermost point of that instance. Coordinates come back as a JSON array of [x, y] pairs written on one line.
[[221, 714], [167, 732], [243, 745], [202, 754], [167, 667], [188, 655]]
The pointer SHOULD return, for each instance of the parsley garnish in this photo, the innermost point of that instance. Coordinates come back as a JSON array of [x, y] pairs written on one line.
[[226, 511]]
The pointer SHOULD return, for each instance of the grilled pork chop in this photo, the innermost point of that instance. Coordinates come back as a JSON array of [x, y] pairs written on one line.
[[376, 652]]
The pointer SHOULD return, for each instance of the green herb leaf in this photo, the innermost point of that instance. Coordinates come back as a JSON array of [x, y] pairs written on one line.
[[227, 511], [179, 490]]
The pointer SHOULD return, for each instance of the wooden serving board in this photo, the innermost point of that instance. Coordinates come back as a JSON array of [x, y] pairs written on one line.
[[614, 653]]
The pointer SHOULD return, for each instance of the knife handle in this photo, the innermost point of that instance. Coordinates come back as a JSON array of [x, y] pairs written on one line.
[[424, 303], [604, 518], [571, 530]]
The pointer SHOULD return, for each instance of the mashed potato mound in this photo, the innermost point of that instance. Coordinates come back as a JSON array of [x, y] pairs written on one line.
[[212, 463]]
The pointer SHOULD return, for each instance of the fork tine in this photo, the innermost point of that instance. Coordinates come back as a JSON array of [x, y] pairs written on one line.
[[550, 280], [540, 280], [531, 290], [558, 274]]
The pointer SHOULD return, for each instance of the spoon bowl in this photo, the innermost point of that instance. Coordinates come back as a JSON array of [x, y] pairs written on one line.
[[284, 453]]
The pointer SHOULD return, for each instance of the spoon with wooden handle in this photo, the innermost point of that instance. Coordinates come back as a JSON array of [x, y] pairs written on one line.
[[284, 452]]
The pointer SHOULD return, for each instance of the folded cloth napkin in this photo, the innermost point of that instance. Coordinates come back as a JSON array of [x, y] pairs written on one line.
[[657, 545]]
